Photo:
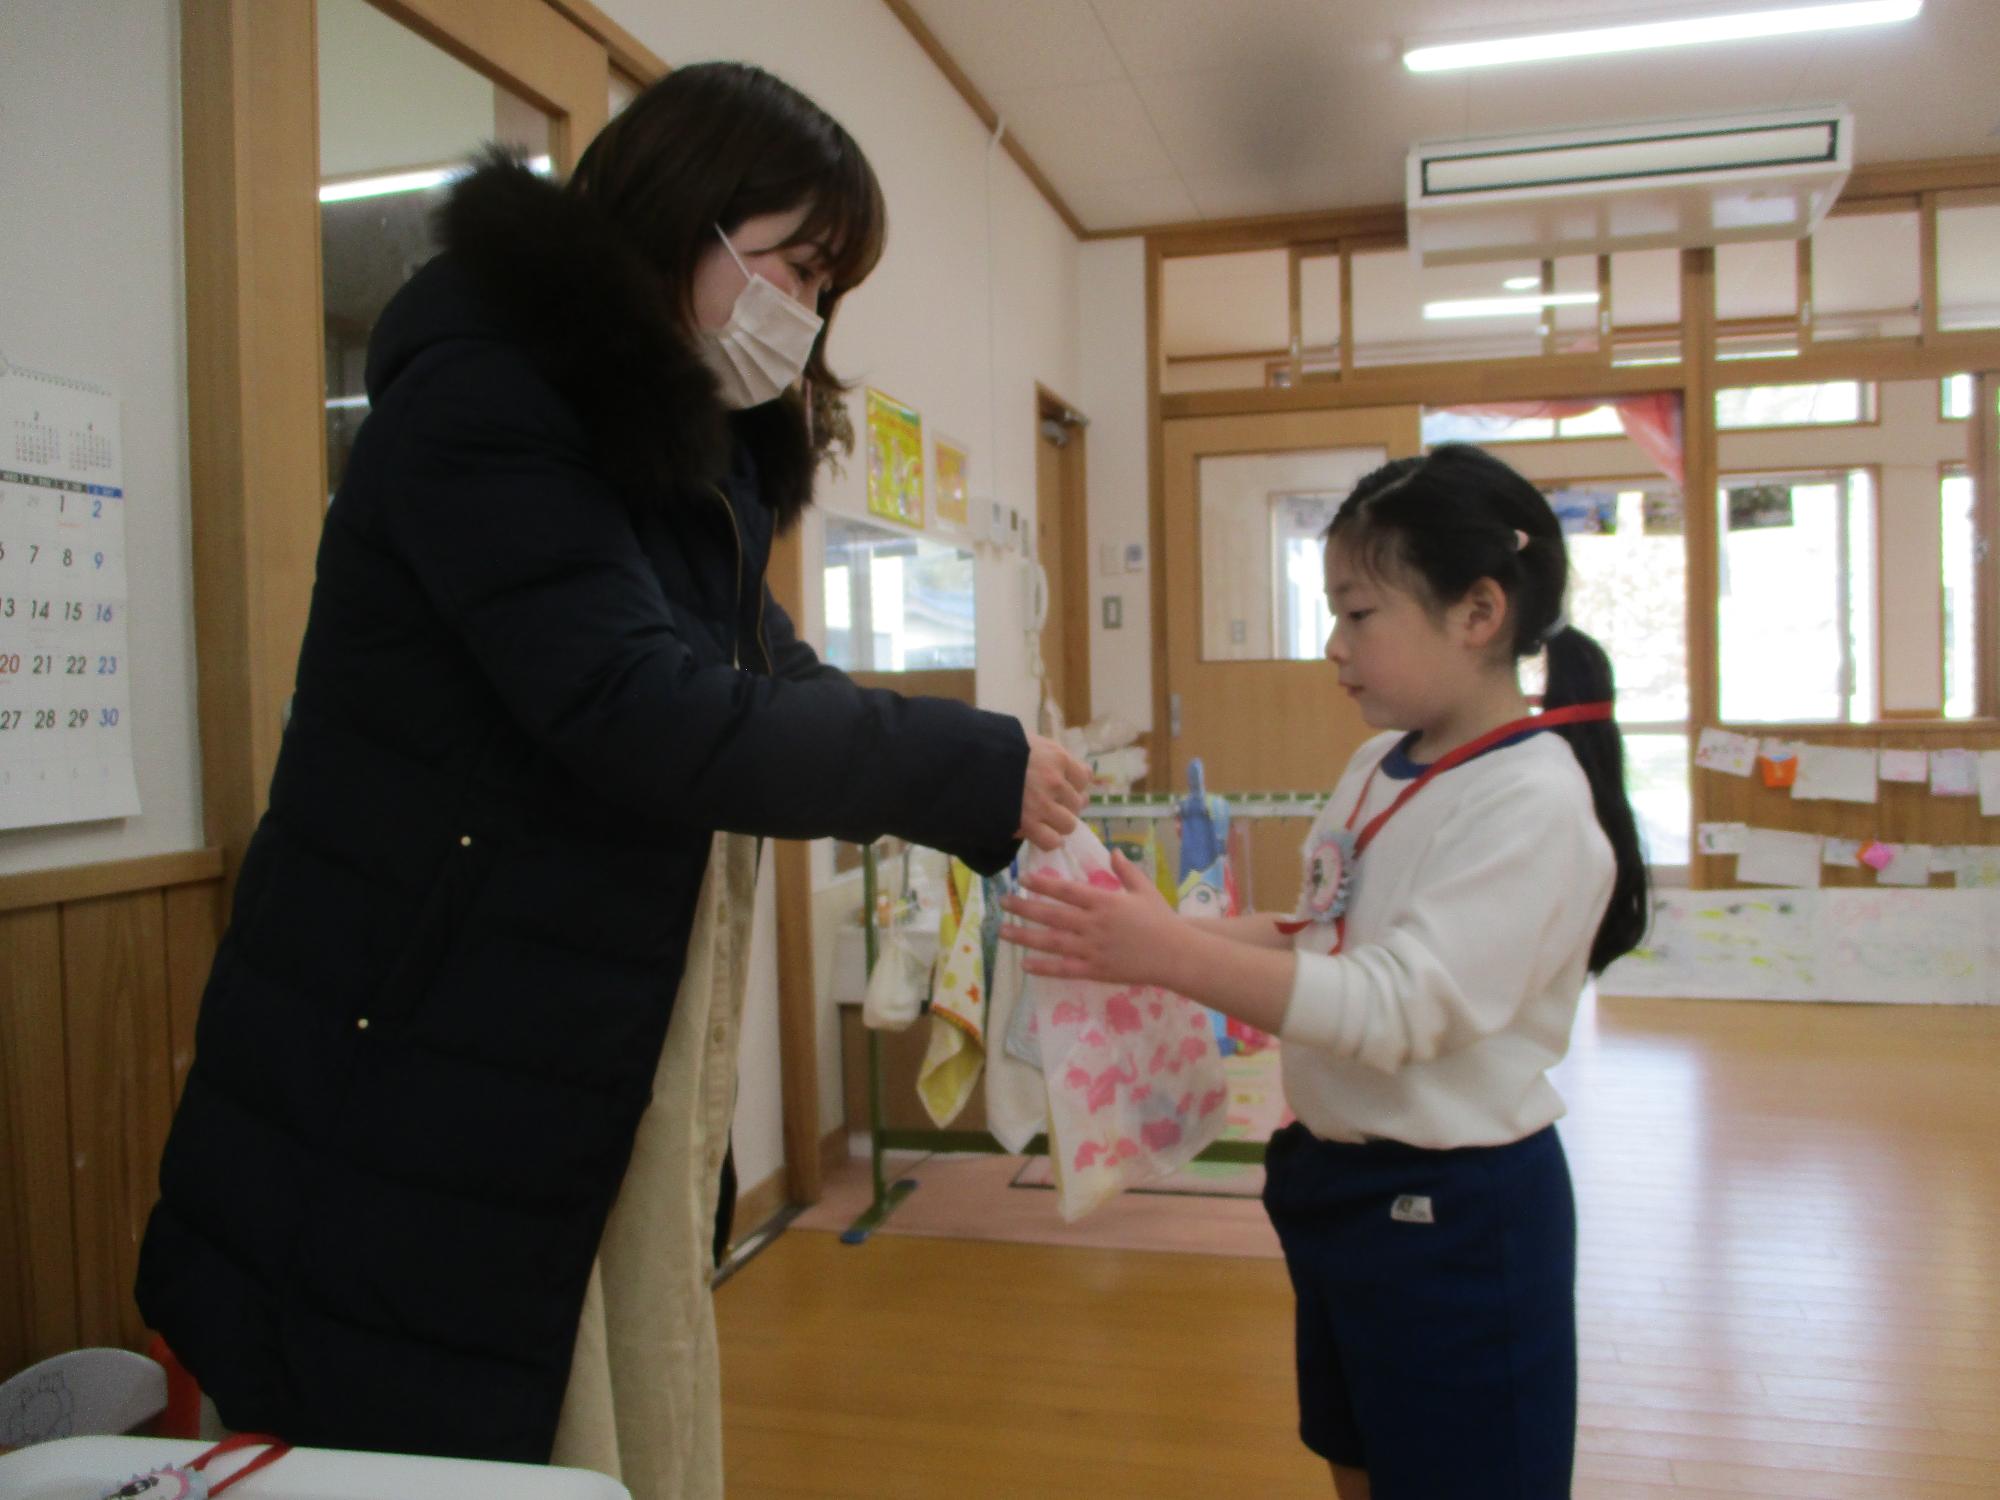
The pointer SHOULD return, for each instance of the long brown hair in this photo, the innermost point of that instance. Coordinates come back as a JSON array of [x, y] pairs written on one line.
[[718, 143]]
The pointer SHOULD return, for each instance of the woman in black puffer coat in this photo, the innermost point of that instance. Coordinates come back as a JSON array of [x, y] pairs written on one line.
[[542, 669]]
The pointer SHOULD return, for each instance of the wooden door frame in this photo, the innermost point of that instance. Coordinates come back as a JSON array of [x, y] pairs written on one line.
[[1070, 594], [256, 424]]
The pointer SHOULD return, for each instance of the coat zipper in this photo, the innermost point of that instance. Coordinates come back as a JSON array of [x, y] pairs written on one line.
[[736, 531]]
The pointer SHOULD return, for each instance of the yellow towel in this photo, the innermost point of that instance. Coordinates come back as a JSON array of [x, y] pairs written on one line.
[[957, 1049]]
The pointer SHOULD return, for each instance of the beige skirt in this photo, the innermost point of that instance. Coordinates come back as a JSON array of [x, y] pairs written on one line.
[[644, 1403]]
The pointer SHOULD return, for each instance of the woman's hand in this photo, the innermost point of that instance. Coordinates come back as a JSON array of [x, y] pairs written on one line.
[[1052, 794], [1124, 935]]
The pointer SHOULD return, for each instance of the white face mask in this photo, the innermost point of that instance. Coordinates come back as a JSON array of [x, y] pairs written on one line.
[[762, 350]]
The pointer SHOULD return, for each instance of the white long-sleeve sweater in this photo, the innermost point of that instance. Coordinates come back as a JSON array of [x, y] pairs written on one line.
[[1468, 939]]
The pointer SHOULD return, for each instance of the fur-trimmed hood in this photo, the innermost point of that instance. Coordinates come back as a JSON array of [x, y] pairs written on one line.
[[554, 277]]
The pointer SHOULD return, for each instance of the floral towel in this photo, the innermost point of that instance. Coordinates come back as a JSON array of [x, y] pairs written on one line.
[[1135, 1084], [957, 1049]]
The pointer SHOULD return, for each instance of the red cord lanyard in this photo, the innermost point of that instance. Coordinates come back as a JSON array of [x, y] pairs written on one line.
[[192, 1483], [1349, 858], [273, 1451], [1581, 713]]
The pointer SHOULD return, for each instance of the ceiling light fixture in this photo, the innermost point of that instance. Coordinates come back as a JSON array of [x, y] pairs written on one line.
[[1522, 283], [1506, 307], [1690, 31]]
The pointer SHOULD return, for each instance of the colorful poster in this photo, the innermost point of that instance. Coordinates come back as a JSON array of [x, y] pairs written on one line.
[[895, 460], [952, 504]]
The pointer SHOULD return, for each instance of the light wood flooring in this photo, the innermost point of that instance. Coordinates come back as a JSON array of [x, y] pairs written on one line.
[[1789, 1286]]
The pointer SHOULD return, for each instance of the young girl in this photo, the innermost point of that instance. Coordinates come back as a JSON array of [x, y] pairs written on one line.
[[1464, 877]]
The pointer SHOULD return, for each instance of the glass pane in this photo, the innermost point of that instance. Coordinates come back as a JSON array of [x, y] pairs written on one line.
[[1955, 398], [1795, 606], [1628, 588], [398, 118], [1756, 299], [1656, 779], [896, 601], [1830, 403], [1968, 261], [1960, 612], [1405, 313], [1646, 306], [1262, 588], [1234, 308], [1866, 275], [1756, 279], [1319, 311]]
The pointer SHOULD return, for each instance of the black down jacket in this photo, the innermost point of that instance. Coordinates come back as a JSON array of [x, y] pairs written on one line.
[[540, 670]]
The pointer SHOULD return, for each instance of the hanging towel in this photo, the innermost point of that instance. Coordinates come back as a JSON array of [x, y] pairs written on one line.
[[1017, 1102], [957, 1049]]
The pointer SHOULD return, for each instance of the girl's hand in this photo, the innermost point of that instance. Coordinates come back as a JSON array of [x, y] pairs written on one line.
[[1052, 793], [1082, 931]]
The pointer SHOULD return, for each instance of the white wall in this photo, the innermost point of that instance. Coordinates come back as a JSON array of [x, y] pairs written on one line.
[[90, 169], [1111, 355], [921, 329]]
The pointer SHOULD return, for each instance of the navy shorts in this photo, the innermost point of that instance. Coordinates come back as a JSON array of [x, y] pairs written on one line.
[[1436, 1311]]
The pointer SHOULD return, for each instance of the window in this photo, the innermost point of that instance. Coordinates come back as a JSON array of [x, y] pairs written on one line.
[[915, 596], [1304, 621], [1443, 425], [1831, 403], [1955, 398], [1958, 548], [1628, 590], [1795, 585]]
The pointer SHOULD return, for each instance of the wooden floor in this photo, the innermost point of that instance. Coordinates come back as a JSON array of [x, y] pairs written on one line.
[[1789, 1286]]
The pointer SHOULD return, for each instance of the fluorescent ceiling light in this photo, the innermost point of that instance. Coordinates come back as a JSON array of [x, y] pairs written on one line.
[[408, 182], [1735, 27], [1522, 283], [1503, 307]]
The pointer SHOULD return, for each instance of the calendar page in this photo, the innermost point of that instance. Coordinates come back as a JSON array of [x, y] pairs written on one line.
[[65, 677]]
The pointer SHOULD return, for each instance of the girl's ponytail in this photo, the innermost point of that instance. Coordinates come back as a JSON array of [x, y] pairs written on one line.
[[1458, 514], [1580, 672]]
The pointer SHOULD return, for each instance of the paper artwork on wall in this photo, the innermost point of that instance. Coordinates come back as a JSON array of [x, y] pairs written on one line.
[[1954, 773], [1731, 754], [953, 508], [1895, 946], [1906, 765], [1989, 783], [1771, 857], [1722, 838], [895, 460], [1835, 773], [1911, 866]]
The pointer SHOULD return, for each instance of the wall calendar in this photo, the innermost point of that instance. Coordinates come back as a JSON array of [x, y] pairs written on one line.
[[65, 674]]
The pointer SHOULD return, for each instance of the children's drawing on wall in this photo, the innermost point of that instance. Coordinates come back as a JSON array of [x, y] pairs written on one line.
[[895, 460], [953, 503]]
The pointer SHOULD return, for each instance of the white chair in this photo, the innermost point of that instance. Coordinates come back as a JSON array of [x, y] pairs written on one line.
[[83, 1392]]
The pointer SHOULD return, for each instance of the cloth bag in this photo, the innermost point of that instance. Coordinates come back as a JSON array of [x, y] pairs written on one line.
[[1135, 1085], [899, 983]]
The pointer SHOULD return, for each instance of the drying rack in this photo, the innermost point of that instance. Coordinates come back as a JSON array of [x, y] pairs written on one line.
[[1109, 807]]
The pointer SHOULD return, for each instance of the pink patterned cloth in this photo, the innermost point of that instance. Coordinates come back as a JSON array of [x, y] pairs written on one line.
[[1135, 1083]]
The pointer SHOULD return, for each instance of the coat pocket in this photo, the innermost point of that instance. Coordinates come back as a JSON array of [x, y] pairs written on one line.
[[437, 926]]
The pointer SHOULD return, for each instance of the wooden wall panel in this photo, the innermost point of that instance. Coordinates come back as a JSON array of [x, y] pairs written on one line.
[[194, 926], [114, 953], [98, 993], [37, 1250]]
